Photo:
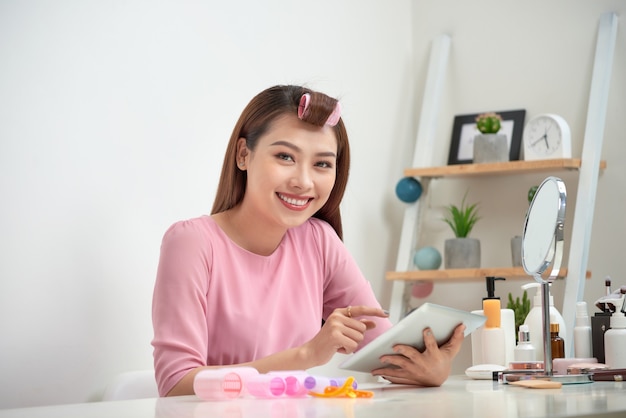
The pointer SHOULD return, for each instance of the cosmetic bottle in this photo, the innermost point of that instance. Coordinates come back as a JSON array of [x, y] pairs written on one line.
[[534, 319], [524, 351], [556, 342], [582, 332], [493, 334], [507, 323], [615, 342], [222, 383]]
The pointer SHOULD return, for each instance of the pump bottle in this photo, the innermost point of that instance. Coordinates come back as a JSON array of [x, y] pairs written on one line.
[[534, 320], [507, 323], [493, 334]]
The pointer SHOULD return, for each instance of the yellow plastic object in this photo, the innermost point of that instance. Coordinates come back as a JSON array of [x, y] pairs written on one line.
[[491, 309], [345, 391]]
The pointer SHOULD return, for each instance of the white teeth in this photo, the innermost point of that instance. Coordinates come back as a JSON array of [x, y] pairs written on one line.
[[295, 202]]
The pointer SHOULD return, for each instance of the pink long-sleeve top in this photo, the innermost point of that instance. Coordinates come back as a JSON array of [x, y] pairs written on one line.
[[215, 303]]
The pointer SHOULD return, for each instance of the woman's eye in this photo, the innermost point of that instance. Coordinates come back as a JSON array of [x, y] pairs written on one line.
[[283, 156], [325, 164]]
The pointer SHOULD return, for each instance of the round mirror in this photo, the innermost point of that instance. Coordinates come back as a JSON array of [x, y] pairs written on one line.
[[542, 241]]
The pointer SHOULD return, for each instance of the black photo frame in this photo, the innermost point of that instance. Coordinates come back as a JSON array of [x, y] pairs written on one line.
[[464, 130]]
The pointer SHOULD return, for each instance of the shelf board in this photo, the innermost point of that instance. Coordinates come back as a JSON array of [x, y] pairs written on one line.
[[509, 167], [466, 275]]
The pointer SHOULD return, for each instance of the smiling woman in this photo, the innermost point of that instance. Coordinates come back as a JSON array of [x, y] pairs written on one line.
[[250, 284]]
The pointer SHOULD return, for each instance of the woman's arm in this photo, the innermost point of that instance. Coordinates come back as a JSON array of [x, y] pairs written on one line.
[[340, 333]]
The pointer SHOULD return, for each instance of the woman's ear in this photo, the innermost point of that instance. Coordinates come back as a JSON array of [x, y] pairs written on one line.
[[242, 153]]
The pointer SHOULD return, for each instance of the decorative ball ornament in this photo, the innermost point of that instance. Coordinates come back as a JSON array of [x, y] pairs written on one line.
[[408, 190], [421, 290], [427, 258]]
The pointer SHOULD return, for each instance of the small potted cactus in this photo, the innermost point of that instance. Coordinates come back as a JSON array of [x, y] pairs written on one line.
[[489, 145]]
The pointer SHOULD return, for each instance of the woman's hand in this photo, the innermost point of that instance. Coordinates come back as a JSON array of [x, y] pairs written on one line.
[[430, 368], [342, 332]]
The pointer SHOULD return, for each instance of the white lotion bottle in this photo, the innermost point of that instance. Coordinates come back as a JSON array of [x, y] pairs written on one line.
[[615, 342], [534, 320], [507, 323], [582, 332], [493, 347], [524, 351]]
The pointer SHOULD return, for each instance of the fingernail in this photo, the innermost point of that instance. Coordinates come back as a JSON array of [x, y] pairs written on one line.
[[386, 312]]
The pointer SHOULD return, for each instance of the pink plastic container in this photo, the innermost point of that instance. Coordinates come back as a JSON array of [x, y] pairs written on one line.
[[266, 386], [223, 383], [294, 382]]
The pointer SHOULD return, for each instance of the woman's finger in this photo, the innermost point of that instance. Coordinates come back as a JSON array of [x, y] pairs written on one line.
[[357, 311], [429, 339], [453, 345]]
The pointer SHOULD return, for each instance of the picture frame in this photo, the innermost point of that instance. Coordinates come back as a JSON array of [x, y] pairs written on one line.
[[464, 130]]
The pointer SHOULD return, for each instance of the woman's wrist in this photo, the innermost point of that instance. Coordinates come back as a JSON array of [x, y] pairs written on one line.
[[306, 356]]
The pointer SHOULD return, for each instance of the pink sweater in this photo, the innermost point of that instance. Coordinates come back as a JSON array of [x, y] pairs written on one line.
[[217, 304]]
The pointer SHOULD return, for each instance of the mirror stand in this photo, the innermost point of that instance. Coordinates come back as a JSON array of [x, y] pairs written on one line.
[[545, 310], [542, 247]]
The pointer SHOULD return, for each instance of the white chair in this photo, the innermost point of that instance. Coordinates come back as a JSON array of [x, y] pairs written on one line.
[[132, 385]]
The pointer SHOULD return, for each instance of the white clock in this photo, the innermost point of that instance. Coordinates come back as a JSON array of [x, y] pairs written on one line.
[[547, 136]]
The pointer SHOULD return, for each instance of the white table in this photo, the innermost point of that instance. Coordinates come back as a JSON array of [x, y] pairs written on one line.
[[458, 397]]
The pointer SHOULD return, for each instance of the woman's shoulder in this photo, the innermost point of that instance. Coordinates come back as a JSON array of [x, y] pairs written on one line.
[[316, 232], [190, 229], [318, 227]]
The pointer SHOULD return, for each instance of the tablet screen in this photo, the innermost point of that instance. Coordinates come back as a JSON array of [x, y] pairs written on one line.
[[442, 320]]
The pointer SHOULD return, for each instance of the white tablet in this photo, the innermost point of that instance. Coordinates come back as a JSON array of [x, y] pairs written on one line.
[[441, 320]]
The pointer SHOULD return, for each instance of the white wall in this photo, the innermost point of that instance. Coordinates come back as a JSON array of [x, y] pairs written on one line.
[[114, 117]]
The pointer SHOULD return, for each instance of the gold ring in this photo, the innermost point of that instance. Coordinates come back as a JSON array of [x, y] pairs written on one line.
[[349, 313]]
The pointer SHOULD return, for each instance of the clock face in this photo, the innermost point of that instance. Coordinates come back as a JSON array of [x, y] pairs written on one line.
[[547, 136]]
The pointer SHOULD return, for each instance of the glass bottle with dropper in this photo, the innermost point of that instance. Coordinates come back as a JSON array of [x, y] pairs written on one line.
[[556, 342], [524, 350]]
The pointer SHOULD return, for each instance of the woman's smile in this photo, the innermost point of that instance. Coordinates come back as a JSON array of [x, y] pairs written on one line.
[[294, 202]]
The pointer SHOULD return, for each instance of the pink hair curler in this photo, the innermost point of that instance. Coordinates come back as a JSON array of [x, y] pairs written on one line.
[[223, 383]]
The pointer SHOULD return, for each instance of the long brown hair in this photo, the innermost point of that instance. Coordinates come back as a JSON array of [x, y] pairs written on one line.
[[256, 119]]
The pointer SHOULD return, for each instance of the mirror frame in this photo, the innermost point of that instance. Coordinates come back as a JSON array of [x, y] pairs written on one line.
[[554, 255]]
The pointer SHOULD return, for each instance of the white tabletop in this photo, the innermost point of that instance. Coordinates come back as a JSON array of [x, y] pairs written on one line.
[[457, 397]]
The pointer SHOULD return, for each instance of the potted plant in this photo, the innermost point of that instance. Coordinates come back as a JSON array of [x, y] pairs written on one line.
[[462, 251], [520, 309], [516, 241], [489, 145]]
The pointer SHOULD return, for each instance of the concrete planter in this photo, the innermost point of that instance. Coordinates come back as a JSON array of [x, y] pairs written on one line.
[[490, 148], [461, 253], [516, 251]]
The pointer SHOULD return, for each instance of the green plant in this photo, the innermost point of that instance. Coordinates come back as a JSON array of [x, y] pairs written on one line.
[[520, 309], [531, 193], [462, 219], [488, 123]]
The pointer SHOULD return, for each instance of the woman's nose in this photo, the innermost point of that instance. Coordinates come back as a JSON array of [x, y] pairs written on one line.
[[302, 179]]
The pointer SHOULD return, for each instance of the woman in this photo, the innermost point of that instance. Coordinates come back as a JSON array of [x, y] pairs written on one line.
[[250, 284]]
